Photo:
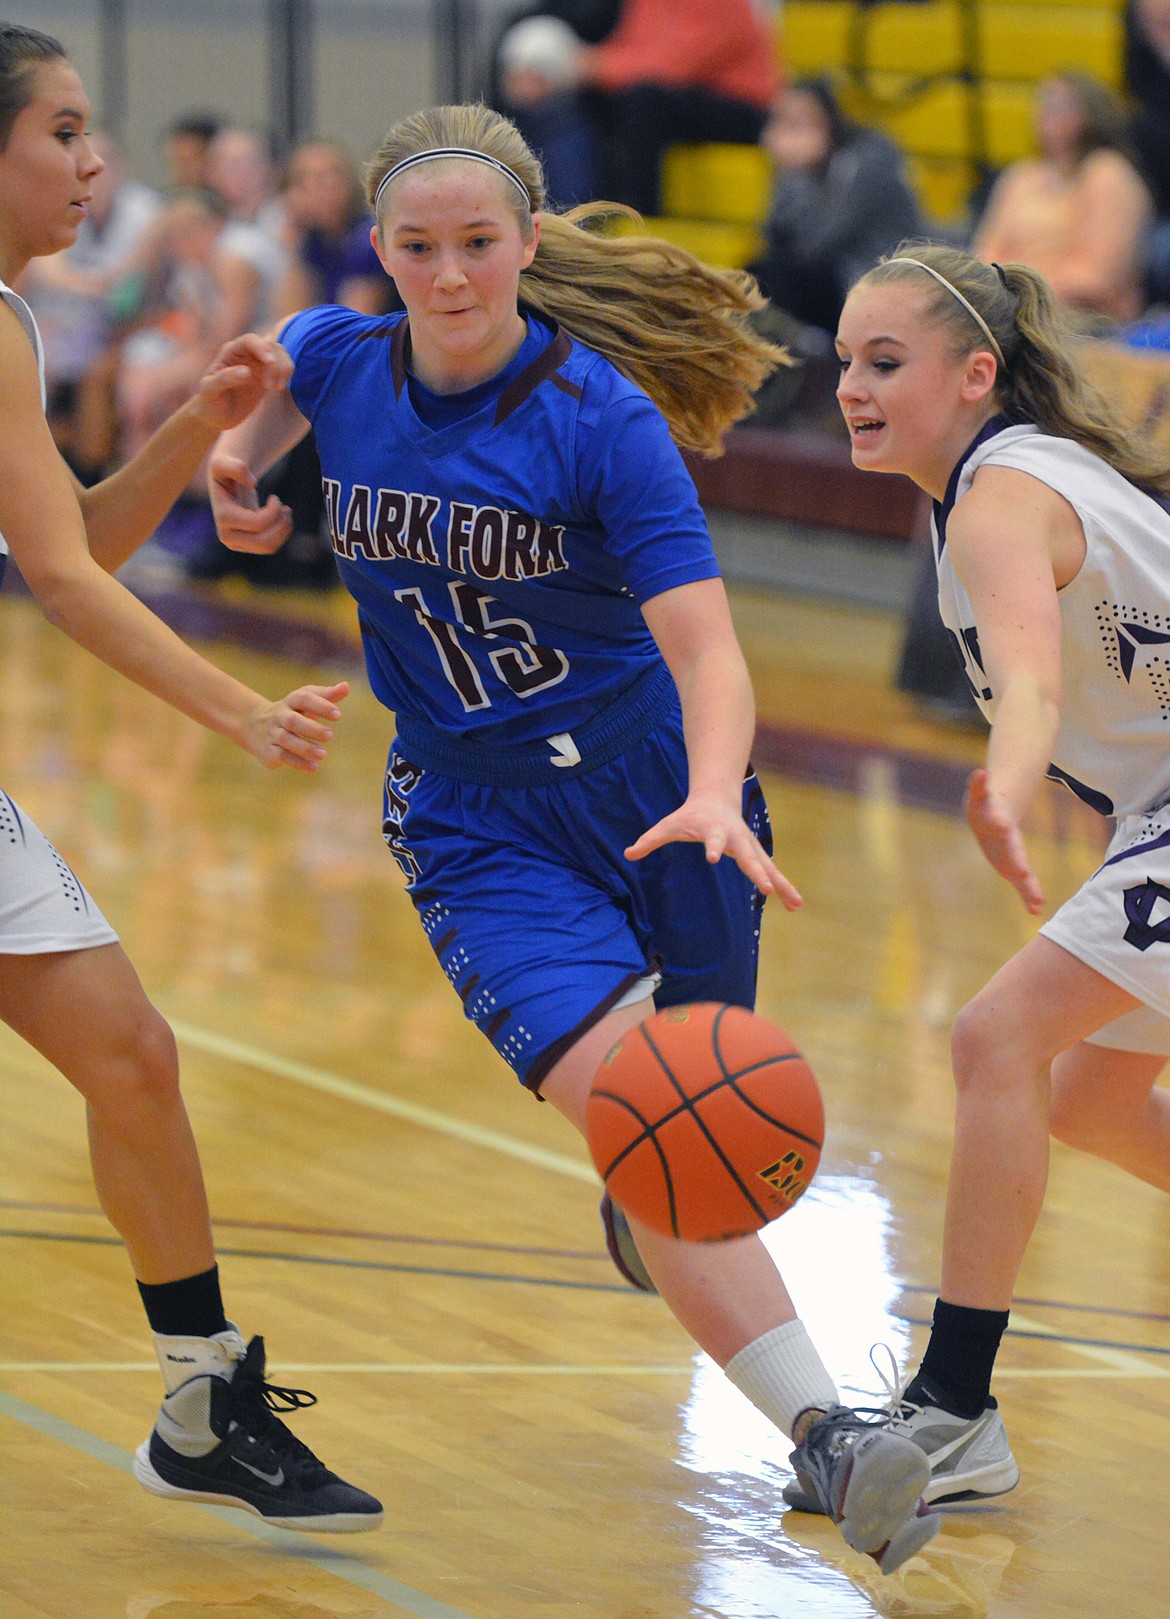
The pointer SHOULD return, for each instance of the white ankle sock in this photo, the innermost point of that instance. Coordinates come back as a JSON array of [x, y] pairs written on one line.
[[182, 1359], [782, 1375]]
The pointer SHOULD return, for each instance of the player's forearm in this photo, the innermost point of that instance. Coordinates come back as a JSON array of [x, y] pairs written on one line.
[[272, 429], [1025, 727], [125, 509], [103, 617], [719, 718]]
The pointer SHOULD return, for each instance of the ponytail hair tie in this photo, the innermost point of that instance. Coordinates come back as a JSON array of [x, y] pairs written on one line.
[[1002, 274]]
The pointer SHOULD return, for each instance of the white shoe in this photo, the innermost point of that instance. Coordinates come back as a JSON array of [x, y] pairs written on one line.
[[970, 1458]]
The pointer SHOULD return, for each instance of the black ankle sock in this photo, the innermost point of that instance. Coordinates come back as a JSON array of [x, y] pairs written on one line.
[[191, 1308], [959, 1359]]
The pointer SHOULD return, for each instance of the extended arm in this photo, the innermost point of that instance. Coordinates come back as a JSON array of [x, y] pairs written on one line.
[[692, 626], [42, 522], [1013, 540]]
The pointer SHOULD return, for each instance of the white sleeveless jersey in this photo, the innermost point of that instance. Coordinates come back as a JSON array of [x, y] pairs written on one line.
[[25, 315], [1113, 747]]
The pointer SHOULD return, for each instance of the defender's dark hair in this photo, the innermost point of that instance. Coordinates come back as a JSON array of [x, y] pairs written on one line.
[[22, 50]]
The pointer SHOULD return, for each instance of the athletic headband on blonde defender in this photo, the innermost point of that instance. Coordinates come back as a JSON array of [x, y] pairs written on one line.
[[966, 303], [450, 151]]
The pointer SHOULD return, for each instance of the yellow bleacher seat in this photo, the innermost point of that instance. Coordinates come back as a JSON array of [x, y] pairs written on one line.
[[938, 122], [716, 196], [814, 35], [1029, 42], [943, 186], [728, 183], [820, 35], [715, 242]]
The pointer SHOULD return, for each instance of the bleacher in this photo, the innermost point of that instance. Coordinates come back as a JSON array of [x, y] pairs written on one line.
[[953, 83]]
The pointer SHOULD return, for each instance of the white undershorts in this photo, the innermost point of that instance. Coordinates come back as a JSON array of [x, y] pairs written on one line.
[[1119, 924], [43, 907]]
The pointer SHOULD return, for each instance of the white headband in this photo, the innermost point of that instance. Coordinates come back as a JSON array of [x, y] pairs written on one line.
[[450, 151], [966, 303]]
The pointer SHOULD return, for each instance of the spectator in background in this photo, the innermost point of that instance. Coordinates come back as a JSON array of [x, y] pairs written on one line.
[[186, 316], [186, 145], [242, 172], [1078, 212], [676, 70], [1147, 78], [841, 199], [331, 261], [537, 62], [82, 299], [331, 257]]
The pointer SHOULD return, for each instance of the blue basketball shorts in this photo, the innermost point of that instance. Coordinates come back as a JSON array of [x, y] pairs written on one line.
[[537, 918]]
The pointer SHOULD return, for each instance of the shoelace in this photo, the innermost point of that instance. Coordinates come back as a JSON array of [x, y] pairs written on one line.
[[254, 1404], [897, 1408]]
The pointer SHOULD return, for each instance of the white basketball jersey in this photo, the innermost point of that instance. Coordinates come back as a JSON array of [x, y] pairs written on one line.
[[1113, 747], [25, 315]]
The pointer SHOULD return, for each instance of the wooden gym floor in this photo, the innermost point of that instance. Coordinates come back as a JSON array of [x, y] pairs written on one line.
[[417, 1239]]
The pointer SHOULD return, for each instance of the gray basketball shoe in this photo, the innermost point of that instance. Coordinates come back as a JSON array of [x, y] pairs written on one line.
[[870, 1482], [970, 1459]]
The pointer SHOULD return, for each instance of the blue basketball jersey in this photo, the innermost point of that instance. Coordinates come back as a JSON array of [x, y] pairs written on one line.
[[500, 542]]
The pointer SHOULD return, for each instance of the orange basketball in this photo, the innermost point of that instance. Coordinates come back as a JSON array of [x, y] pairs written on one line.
[[705, 1122]]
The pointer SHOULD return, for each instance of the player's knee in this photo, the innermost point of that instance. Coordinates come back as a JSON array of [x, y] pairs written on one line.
[[972, 1042], [987, 1052], [140, 1073]]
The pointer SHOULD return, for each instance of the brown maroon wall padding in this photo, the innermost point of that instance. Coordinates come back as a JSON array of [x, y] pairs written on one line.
[[808, 477]]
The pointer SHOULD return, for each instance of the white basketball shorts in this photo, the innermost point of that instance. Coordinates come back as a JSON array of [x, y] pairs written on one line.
[[43, 907], [1119, 924]]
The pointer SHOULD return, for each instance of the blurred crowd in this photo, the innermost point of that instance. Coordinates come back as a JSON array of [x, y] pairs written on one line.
[[236, 239], [158, 280]]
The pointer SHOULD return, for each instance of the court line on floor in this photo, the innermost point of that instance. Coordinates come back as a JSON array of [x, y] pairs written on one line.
[[330, 1084], [1048, 1304], [1103, 1350], [340, 1564], [356, 1233], [1126, 1367], [381, 1368], [340, 1262]]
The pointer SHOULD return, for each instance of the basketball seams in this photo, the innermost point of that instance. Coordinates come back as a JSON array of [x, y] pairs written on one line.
[[689, 1106], [655, 1085], [648, 1135]]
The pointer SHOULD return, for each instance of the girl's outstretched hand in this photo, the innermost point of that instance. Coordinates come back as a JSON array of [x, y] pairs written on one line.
[[238, 378], [295, 730], [998, 835], [723, 831]]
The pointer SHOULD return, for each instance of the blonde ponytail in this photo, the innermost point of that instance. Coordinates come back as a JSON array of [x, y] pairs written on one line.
[[673, 325]]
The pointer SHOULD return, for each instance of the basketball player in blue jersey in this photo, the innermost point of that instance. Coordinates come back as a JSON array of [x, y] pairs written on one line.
[[1052, 540], [569, 792], [66, 985]]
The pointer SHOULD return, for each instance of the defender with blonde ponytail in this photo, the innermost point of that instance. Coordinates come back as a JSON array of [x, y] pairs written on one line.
[[1053, 559], [569, 794]]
